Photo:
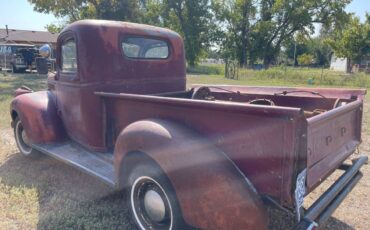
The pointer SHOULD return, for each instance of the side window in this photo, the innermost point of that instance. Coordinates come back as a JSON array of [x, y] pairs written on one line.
[[157, 52], [145, 48], [5, 49], [131, 50], [69, 57], [1, 49]]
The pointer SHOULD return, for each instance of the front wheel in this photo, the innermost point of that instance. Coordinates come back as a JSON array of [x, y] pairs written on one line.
[[22, 140], [152, 199]]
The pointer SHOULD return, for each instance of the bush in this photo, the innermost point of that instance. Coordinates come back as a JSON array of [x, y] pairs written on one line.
[[206, 70], [305, 59], [304, 76]]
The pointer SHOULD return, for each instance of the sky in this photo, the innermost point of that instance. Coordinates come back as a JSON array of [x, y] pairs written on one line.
[[359, 7], [19, 14]]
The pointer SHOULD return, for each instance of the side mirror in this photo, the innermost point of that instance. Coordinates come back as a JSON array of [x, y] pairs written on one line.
[[45, 51]]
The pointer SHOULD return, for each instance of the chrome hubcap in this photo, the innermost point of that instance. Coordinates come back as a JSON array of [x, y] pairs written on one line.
[[150, 205], [154, 206]]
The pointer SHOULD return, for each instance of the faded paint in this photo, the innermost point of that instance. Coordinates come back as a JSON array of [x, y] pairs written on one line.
[[244, 148]]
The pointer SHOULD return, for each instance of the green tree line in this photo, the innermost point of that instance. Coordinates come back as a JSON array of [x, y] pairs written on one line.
[[250, 31]]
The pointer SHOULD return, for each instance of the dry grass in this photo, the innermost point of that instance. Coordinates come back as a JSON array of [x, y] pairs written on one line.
[[46, 194]]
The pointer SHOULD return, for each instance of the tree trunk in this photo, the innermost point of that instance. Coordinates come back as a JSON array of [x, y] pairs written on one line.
[[349, 66], [266, 61], [245, 34], [243, 58]]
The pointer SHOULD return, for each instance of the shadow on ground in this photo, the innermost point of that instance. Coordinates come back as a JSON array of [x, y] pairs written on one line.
[[282, 220], [69, 199]]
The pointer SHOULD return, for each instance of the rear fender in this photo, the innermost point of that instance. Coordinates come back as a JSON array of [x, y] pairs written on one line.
[[38, 114], [212, 192]]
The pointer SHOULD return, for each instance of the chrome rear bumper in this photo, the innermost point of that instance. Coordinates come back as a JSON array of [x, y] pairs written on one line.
[[324, 207]]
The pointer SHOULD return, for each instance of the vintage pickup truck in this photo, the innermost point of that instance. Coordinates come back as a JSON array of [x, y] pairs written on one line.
[[210, 157]]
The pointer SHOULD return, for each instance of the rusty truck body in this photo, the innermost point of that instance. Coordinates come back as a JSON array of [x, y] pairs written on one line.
[[209, 157]]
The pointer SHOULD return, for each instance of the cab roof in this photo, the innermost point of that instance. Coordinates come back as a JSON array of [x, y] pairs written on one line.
[[120, 26], [100, 54]]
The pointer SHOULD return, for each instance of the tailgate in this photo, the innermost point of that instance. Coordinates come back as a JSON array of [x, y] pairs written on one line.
[[331, 138]]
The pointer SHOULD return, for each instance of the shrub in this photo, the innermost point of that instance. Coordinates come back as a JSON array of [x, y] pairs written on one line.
[[206, 70], [305, 59]]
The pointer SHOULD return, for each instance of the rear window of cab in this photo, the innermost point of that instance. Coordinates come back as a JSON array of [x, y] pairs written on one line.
[[145, 48]]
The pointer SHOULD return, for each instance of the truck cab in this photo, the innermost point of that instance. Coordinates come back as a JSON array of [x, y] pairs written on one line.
[[118, 109], [115, 57]]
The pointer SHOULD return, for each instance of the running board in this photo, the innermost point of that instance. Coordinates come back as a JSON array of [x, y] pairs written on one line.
[[99, 165]]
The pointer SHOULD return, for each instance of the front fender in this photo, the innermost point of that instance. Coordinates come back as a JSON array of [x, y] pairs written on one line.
[[212, 192], [38, 114]]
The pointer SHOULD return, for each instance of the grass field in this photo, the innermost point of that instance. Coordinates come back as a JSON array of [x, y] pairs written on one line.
[[46, 194], [286, 76]]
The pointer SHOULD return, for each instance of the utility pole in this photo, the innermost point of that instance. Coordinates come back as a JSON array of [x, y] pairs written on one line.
[[295, 52], [6, 48]]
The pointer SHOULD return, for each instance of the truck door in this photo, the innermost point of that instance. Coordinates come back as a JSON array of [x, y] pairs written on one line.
[[78, 107]]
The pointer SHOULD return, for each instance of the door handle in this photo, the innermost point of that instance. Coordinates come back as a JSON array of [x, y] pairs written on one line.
[[328, 139]]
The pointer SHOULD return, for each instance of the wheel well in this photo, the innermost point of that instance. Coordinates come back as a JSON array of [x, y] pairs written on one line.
[[128, 163], [14, 115]]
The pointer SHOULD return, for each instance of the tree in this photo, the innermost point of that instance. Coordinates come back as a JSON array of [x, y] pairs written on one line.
[[236, 16], [192, 19], [353, 42], [281, 19], [74, 10], [54, 28], [60, 8], [316, 47], [320, 50], [259, 28], [153, 12], [294, 47]]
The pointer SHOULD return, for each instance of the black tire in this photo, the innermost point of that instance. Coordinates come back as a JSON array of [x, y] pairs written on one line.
[[22, 142], [148, 188]]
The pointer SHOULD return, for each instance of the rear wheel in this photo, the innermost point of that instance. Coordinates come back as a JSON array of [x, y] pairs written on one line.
[[22, 140], [153, 202]]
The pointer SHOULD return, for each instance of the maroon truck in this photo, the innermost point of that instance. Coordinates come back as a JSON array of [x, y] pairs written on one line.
[[212, 157]]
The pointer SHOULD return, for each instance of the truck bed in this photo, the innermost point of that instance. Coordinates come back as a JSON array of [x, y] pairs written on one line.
[[271, 144]]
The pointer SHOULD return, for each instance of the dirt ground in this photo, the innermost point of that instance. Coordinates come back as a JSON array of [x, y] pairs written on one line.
[[354, 212], [47, 194]]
